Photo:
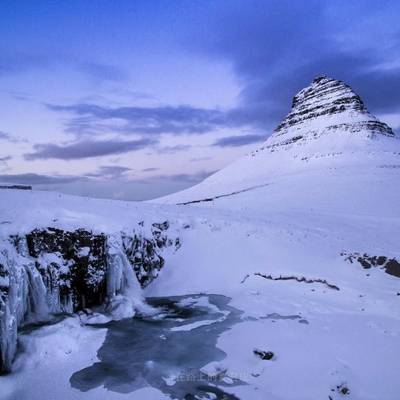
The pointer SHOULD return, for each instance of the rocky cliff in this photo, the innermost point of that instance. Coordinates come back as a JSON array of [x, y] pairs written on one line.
[[51, 271]]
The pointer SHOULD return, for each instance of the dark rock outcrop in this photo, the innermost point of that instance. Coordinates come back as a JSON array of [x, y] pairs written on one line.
[[264, 355], [342, 390], [16, 187], [143, 253], [302, 279], [80, 274], [390, 265]]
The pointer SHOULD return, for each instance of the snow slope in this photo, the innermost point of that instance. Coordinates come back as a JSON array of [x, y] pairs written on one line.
[[279, 247]]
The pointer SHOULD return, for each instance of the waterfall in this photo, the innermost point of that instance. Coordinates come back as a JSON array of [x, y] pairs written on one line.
[[22, 300], [123, 289], [51, 271]]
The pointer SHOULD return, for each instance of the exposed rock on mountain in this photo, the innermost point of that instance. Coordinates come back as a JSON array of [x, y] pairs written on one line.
[[326, 107], [326, 96]]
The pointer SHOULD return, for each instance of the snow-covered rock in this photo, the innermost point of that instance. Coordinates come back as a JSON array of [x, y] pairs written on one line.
[[51, 271], [330, 107]]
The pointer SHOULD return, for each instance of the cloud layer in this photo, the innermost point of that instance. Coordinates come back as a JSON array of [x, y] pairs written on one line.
[[87, 149], [236, 141], [92, 118], [38, 179]]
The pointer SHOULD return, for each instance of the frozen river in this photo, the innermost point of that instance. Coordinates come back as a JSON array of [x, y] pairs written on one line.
[[167, 351]]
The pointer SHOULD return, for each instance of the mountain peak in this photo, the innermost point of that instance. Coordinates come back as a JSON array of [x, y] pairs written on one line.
[[325, 91], [329, 105]]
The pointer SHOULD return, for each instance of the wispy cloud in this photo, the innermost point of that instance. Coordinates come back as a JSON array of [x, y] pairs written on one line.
[[103, 72], [14, 62], [17, 62], [173, 149], [39, 179], [7, 137], [187, 178], [87, 149], [198, 159], [110, 172], [150, 169], [4, 163], [237, 141], [92, 118]]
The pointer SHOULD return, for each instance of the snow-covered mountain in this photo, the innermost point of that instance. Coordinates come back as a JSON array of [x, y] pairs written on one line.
[[327, 128], [300, 236]]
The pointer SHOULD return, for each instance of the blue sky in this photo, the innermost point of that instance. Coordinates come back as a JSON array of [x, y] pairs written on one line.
[[136, 99]]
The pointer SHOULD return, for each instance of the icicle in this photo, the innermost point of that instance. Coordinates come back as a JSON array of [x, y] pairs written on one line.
[[8, 332], [12, 307], [23, 300], [123, 288], [38, 309]]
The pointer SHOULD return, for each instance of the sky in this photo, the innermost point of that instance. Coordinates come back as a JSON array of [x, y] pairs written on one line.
[[136, 99]]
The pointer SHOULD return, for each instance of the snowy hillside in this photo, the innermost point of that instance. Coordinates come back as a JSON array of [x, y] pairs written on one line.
[[279, 279]]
